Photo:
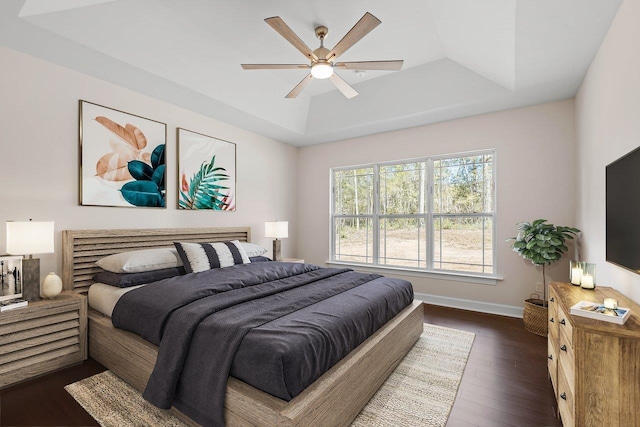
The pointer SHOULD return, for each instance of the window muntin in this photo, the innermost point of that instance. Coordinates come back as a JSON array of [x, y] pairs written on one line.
[[353, 239], [463, 243], [432, 214], [403, 242], [354, 191]]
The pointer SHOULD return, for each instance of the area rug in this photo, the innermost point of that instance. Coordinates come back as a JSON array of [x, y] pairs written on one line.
[[420, 392]]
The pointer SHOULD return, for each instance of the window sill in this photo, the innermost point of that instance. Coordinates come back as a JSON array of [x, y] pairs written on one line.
[[407, 271]]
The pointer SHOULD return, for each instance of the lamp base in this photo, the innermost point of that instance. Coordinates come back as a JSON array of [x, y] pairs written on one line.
[[31, 279], [277, 256]]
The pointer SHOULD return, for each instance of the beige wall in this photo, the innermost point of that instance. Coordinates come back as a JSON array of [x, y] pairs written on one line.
[[535, 179], [608, 126], [39, 158]]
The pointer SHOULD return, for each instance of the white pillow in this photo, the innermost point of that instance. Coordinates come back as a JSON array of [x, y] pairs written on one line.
[[253, 250], [141, 260]]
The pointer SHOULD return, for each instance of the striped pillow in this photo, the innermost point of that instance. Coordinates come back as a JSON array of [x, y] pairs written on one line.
[[205, 256]]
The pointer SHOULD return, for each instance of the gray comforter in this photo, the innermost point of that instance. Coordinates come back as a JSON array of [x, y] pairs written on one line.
[[200, 320]]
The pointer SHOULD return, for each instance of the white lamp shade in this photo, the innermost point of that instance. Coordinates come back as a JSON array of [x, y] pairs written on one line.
[[276, 229], [30, 237]]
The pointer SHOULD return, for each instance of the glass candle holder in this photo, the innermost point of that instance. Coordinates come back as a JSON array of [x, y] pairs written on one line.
[[588, 280], [575, 272]]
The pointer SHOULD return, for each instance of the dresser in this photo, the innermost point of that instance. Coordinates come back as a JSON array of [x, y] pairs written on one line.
[[42, 337], [594, 365]]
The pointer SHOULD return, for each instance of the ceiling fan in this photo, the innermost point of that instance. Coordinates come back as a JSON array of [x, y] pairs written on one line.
[[323, 63]]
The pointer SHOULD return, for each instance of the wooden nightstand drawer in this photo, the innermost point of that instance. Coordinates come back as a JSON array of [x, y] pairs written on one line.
[[301, 261], [42, 337]]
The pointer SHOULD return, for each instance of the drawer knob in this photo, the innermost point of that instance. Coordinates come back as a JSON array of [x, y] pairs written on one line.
[[563, 396], [563, 322], [551, 320], [551, 357], [552, 299], [563, 348]]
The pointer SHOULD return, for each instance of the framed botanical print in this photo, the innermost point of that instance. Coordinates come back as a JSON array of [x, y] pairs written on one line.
[[122, 160], [206, 171]]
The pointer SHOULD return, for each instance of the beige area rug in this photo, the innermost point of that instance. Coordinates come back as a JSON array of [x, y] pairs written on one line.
[[420, 392]]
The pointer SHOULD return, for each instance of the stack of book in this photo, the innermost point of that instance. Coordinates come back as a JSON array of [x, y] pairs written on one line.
[[13, 303]]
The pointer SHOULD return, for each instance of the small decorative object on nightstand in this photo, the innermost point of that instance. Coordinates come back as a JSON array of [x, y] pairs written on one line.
[[276, 230], [51, 286]]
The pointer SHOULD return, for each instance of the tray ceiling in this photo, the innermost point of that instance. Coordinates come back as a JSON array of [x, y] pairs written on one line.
[[462, 57]]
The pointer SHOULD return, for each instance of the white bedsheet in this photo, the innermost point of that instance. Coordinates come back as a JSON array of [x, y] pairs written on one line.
[[103, 298]]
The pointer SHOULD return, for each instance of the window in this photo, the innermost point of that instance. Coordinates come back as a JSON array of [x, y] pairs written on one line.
[[432, 214]]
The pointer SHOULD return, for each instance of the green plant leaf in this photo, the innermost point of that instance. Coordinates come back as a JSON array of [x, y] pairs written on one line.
[[142, 193], [140, 170], [158, 176], [541, 242], [205, 190], [157, 156]]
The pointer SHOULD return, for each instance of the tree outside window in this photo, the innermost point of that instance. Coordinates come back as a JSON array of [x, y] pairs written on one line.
[[433, 214]]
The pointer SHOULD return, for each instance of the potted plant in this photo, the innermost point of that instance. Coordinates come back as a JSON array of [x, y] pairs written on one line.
[[542, 244]]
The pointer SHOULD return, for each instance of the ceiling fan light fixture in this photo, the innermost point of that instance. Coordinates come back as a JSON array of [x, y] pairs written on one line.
[[321, 70]]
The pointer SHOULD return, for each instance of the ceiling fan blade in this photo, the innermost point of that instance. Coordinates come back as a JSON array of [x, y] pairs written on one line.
[[296, 90], [273, 66], [283, 29], [344, 87], [370, 65], [367, 23]]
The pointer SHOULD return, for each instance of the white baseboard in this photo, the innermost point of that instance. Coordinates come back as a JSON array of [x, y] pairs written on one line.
[[465, 304]]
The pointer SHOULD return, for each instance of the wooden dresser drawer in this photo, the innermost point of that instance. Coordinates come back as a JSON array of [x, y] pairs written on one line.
[[553, 316], [566, 405], [565, 326], [552, 363], [44, 336]]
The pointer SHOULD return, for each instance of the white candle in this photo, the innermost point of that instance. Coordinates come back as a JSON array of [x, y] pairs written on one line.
[[587, 281], [611, 303], [576, 275]]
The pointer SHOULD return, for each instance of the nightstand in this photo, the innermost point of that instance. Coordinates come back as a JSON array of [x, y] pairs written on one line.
[[301, 261], [42, 337]]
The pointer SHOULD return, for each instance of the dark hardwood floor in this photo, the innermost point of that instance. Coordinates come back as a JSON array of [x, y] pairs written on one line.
[[504, 384]]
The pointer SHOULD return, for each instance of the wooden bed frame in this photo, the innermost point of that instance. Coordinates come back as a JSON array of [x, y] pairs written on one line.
[[334, 399]]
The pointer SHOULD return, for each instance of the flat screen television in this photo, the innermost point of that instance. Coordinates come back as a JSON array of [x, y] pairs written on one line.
[[623, 211]]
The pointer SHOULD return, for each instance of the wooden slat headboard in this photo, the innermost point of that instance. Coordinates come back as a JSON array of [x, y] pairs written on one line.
[[82, 248]]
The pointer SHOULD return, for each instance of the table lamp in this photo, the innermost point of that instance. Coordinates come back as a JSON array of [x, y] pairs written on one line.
[[28, 238], [276, 230]]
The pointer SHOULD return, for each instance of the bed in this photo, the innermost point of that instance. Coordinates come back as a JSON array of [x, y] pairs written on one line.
[[333, 399]]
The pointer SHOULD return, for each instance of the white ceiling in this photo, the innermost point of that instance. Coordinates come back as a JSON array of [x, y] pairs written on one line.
[[461, 57]]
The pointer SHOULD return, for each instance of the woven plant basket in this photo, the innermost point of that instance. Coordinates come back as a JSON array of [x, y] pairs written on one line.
[[535, 317]]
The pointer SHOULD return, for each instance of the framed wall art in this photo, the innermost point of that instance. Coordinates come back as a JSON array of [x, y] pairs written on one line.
[[206, 172], [122, 160]]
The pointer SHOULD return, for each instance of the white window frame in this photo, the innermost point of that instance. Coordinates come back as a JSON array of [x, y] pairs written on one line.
[[429, 217]]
